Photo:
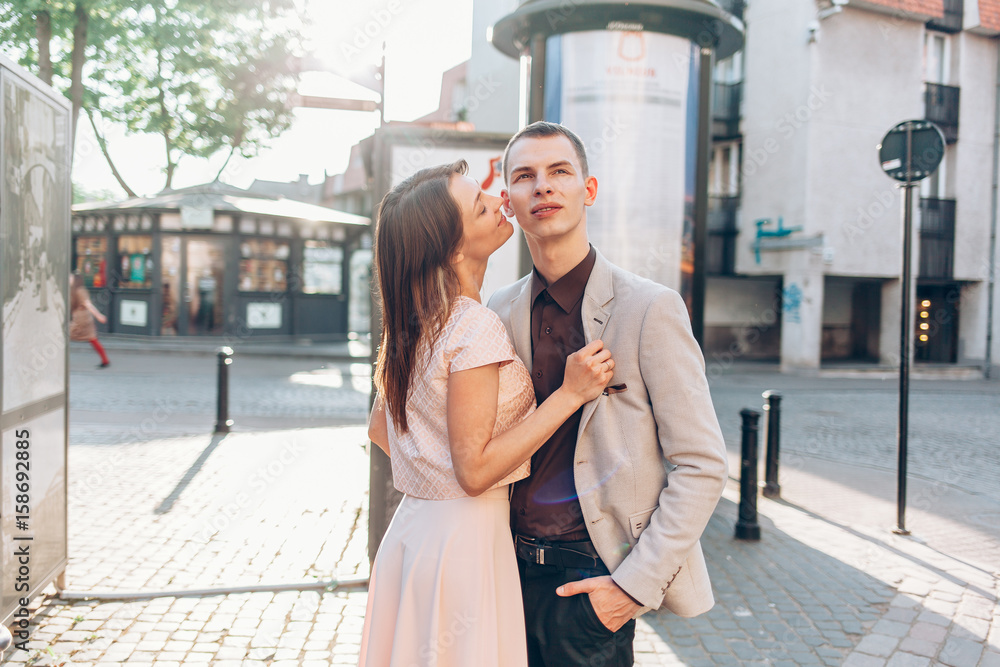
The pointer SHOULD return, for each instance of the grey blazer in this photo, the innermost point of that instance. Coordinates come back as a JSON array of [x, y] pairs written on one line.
[[645, 522]]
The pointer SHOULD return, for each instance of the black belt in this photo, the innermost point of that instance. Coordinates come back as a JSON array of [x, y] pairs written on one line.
[[581, 555]]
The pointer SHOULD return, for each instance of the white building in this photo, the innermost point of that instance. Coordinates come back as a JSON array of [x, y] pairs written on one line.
[[797, 118]]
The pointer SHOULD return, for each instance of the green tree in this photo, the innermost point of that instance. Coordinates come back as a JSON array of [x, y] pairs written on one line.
[[203, 75]]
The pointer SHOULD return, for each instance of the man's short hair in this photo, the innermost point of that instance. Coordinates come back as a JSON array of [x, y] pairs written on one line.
[[544, 128]]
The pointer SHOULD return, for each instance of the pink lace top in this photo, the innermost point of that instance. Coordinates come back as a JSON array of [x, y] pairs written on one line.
[[473, 336]]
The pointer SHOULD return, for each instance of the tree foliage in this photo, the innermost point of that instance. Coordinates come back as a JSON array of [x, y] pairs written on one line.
[[204, 75]]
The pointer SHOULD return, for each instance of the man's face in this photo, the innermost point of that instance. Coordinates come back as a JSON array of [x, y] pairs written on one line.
[[546, 188]]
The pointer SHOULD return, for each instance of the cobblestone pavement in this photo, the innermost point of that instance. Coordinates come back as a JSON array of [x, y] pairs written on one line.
[[953, 426], [828, 584]]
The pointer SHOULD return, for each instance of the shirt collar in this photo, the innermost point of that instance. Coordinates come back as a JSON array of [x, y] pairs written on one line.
[[568, 290]]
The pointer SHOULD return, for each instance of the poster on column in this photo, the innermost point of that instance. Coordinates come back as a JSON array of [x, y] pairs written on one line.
[[34, 241], [628, 95]]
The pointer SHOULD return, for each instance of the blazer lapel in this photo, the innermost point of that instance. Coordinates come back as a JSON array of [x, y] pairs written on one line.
[[520, 323], [596, 313]]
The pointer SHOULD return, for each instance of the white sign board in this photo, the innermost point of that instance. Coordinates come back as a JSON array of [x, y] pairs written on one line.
[[264, 315], [133, 313], [194, 217]]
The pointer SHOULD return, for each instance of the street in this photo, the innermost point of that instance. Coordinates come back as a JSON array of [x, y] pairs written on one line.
[[158, 504]]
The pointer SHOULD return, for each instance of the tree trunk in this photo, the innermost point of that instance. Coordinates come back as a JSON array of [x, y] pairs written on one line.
[[232, 149], [107, 156], [43, 33], [79, 56], [161, 99]]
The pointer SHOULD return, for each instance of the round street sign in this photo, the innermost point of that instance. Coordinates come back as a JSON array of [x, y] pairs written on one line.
[[926, 143]]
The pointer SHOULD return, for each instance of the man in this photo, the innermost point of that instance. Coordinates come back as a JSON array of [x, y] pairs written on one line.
[[601, 536]]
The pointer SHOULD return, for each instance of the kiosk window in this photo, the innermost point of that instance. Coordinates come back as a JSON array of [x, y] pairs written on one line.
[[91, 258], [263, 266], [135, 262], [322, 268]]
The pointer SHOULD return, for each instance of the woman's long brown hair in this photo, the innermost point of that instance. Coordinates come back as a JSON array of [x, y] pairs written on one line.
[[418, 232]]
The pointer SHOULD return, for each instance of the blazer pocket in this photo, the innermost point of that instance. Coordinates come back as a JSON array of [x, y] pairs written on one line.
[[637, 522]]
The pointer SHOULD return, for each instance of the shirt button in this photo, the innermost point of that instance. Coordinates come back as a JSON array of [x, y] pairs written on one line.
[[523, 512], [538, 374], [548, 330]]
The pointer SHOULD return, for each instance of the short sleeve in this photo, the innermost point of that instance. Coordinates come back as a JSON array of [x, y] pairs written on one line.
[[479, 339]]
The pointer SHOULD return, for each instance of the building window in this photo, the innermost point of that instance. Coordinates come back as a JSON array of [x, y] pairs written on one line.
[[322, 268], [936, 58], [91, 252], [724, 178], [135, 262], [263, 266]]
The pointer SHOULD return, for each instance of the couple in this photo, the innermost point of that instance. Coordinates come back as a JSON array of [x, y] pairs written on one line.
[[571, 498]]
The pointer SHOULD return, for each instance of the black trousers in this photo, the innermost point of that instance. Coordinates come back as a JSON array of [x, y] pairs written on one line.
[[565, 631]]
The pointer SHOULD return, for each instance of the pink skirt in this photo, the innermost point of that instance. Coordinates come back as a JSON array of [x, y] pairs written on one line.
[[444, 590]]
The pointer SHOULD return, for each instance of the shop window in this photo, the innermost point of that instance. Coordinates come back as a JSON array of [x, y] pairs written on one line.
[[135, 262], [322, 268], [263, 266], [91, 253]]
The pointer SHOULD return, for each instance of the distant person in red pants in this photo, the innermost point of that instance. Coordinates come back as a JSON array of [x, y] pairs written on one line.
[[82, 314]]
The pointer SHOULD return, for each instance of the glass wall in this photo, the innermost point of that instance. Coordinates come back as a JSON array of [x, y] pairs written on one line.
[[206, 270], [322, 268], [135, 262], [170, 278], [263, 265], [91, 252]]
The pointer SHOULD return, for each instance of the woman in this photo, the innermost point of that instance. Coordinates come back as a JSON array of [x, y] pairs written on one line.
[[82, 314], [456, 414]]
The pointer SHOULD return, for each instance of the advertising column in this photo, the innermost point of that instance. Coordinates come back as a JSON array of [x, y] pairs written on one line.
[[632, 97], [34, 284]]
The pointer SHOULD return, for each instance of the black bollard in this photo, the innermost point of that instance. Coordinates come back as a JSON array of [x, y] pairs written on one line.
[[222, 421], [773, 409], [747, 527]]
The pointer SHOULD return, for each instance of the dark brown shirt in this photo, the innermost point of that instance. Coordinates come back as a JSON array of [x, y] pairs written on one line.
[[545, 505]]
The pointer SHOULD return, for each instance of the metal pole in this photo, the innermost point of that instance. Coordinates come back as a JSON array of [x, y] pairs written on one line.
[[904, 341], [773, 409], [994, 202], [379, 466], [747, 527], [698, 280], [222, 421]]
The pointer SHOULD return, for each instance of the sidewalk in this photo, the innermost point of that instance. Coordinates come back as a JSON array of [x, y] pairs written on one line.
[[828, 584], [355, 349]]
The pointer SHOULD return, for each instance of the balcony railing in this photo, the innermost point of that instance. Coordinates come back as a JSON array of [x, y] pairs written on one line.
[[937, 238], [720, 254], [726, 109], [952, 19], [941, 107]]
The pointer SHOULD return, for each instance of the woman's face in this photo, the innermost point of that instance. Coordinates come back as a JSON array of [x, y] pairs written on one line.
[[484, 228]]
